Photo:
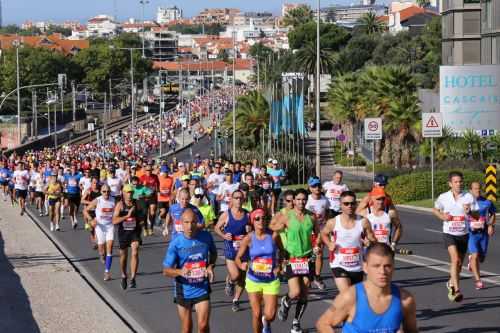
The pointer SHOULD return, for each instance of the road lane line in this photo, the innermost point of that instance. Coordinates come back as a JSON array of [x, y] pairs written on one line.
[[434, 230], [421, 262]]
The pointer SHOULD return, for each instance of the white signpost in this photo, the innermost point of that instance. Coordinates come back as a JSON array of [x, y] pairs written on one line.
[[373, 131], [432, 127]]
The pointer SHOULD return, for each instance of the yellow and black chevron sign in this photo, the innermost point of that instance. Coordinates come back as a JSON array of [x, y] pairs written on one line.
[[490, 182]]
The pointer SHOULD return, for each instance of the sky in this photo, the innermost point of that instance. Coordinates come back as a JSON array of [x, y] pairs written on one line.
[[19, 11]]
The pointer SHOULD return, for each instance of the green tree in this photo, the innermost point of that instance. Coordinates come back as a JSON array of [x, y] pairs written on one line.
[[332, 37], [423, 3], [370, 24], [357, 53], [252, 116], [298, 16]]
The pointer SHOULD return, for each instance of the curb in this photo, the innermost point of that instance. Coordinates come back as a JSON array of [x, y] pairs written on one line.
[[420, 209], [100, 291]]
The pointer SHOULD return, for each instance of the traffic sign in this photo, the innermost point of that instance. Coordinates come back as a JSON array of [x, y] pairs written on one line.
[[373, 128], [90, 127], [490, 182], [432, 125]]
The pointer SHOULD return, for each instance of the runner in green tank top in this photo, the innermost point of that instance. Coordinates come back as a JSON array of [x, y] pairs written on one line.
[[298, 226]]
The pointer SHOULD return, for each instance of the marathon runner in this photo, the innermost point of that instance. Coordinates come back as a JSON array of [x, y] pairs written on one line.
[[375, 305], [54, 193], [115, 184], [38, 181], [482, 218], [21, 179], [165, 189], [72, 194], [151, 181], [173, 219], [129, 235], [226, 189], [141, 195], [190, 259], [384, 222], [298, 225], [343, 235], [204, 207], [450, 208], [232, 227], [277, 176], [103, 224], [262, 283], [5, 176], [333, 190], [89, 195], [319, 206], [214, 180]]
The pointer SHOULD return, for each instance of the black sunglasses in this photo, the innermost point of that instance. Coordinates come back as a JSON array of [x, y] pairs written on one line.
[[349, 203]]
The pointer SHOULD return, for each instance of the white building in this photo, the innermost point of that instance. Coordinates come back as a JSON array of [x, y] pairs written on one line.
[[169, 14], [102, 26], [251, 31]]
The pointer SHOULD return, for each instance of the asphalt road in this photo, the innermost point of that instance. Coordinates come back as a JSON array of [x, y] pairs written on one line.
[[150, 308]]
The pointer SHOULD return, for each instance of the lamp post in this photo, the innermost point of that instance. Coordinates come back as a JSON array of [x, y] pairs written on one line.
[[16, 44], [143, 3], [234, 94], [318, 125]]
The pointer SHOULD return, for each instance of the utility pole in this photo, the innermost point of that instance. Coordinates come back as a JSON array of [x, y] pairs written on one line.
[[143, 3], [234, 95], [18, 95], [318, 124], [73, 97], [110, 96]]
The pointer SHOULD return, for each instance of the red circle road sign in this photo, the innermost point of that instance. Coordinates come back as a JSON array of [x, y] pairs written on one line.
[[373, 126]]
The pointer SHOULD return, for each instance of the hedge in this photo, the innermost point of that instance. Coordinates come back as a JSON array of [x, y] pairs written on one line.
[[417, 185]]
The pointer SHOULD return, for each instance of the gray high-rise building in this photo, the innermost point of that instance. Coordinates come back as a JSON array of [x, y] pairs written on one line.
[[471, 32]]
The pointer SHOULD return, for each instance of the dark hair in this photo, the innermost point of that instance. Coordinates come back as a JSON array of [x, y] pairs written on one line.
[[339, 172], [382, 249], [237, 191], [135, 178], [301, 191], [288, 192], [347, 194], [455, 174], [248, 174]]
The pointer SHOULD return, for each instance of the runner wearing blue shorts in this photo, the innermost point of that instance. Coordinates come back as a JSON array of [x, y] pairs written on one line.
[[481, 218]]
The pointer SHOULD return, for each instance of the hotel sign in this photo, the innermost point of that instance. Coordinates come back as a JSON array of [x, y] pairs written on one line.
[[470, 97]]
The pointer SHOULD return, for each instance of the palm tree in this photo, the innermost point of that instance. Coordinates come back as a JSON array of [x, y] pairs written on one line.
[[423, 3], [298, 16], [252, 116], [370, 24]]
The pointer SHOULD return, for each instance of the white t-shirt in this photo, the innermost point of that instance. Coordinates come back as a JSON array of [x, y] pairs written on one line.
[[333, 192], [37, 181], [318, 207], [456, 224], [216, 180], [226, 190], [85, 183], [21, 179], [348, 247], [120, 173], [115, 185]]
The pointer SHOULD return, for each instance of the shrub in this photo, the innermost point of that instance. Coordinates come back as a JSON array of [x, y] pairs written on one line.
[[417, 185]]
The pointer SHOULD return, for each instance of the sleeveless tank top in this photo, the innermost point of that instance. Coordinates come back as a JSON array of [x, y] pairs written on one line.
[[348, 247], [131, 222], [104, 210], [381, 226], [262, 258], [298, 235], [237, 228], [366, 320]]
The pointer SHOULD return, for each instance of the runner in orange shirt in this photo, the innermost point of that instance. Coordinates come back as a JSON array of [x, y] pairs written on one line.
[[165, 192]]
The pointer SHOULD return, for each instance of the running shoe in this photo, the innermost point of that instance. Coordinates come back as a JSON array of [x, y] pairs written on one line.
[[22, 212], [145, 233], [451, 291], [469, 267], [75, 225], [229, 288], [87, 226], [236, 306], [266, 327], [107, 276], [133, 284], [150, 232], [319, 284], [58, 228], [458, 296], [284, 308], [123, 283], [51, 226], [479, 285], [296, 327]]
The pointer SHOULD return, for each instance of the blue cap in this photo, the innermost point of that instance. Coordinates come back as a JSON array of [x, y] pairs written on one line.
[[380, 179], [164, 169], [313, 181]]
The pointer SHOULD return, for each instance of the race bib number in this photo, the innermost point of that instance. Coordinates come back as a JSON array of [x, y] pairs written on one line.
[[349, 256], [129, 223], [334, 194], [165, 191], [300, 266], [237, 242], [382, 235], [196, 271], [106, 213], [178, 226], [456, 223], [72, 182], [20, 180], [479, 223], [262, 266]]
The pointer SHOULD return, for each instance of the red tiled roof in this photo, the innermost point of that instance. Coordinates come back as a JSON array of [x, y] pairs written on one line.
[[406, 13], [55, 42]]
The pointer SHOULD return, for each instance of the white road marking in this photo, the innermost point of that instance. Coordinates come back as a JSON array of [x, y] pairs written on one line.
[[433, 230]]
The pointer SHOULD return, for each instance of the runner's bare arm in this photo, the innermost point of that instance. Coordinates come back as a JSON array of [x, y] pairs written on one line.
[[409, 312], [440, 214], [90, 206], [367, 228], [278, 222], [362, 209], [219, 227], [116, 214], [397, 226], [338, 312], [244, 245], [325, 234]]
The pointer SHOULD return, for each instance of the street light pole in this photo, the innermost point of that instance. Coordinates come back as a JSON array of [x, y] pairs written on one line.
[[143, 3], [318, 125], [234, 95], [132, 98], [18, 96], [73, 98]]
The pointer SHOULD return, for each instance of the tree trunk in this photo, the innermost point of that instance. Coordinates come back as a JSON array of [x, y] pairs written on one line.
[[385, 152]]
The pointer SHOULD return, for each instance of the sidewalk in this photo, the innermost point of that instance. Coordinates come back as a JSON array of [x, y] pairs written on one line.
[[39, 290]]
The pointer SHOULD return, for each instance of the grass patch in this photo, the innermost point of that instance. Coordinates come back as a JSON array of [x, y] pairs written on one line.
[[426, 203]]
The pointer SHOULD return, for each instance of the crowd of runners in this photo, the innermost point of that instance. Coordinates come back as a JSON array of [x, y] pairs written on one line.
[[271, 236]]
